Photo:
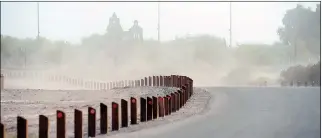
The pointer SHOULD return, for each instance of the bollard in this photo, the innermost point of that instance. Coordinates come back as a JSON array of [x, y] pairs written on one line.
[[161, 81], [173, 101], [78, 123], [154, 81], [169, 104], [103, 120], [2, 82], [155, 107], [177, 100], [115, 116], [145, 81], [142, 82], [166, 105], [157, 81], [133, 111], [150, 81], [43, 126], [124, 114], [149, 109], [166, 82], [22, 130], [61, 124], [180, 99], [91, 122], [161, 107], [143, 109], [2, 132], [133, 83]]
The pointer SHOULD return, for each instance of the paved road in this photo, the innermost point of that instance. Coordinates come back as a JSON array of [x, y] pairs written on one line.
[[249, 113]]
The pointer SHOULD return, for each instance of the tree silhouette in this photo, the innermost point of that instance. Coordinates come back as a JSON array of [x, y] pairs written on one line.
[[302, 26]]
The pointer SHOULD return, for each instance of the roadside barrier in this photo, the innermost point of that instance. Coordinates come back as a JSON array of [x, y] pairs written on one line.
[[151, 108]]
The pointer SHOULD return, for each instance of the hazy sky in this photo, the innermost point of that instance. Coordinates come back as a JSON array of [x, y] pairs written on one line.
[[252, 22]]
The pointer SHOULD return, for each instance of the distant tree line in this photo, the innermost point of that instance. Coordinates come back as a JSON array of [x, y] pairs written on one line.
[[310, 74]]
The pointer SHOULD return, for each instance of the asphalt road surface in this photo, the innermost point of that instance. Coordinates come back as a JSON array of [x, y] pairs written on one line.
[[248, 113]]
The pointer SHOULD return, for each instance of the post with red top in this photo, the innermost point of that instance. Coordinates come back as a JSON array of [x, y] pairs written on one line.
[[91, 122], [149, 109], [43, 126], [22, 130], [78, 124], [61, 124], [155, 107], [133, 111], [115, 116], [103, 120], [161, 107], [124, 113]]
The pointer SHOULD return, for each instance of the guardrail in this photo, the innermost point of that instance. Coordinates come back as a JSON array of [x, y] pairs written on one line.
[[150, 108]]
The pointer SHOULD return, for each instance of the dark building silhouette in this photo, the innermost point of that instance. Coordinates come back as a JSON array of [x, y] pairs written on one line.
[[136, 31], [114, 29], [116, 33]]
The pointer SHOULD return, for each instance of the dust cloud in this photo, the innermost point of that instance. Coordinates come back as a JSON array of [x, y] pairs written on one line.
[[207, 65]]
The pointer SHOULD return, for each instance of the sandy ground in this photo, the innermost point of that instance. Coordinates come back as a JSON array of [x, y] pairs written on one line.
[[31, 103]]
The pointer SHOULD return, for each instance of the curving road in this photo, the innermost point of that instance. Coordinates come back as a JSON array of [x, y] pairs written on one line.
[[249, 113]]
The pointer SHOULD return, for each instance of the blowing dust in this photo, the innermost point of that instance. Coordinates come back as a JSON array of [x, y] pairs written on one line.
[[207, 65]]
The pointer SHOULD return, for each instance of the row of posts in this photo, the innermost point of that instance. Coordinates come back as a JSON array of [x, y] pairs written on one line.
[[169, 81], [150, 108], [299, 83]]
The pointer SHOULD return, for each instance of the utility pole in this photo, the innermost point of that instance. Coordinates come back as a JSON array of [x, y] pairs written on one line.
[[159, 22], [230, 23], [38, 20]]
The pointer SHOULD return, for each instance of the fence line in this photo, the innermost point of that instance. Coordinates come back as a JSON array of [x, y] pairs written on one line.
[[151, 108]]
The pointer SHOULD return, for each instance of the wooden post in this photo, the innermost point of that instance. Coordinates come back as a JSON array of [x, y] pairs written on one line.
[[124, 114], [133, 111], [78, 123], [149, 109], [2, 131], [43, 126], [155, 107], [115, 116], [143, 109], [91, 122], [104, 120], [61, 124]]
